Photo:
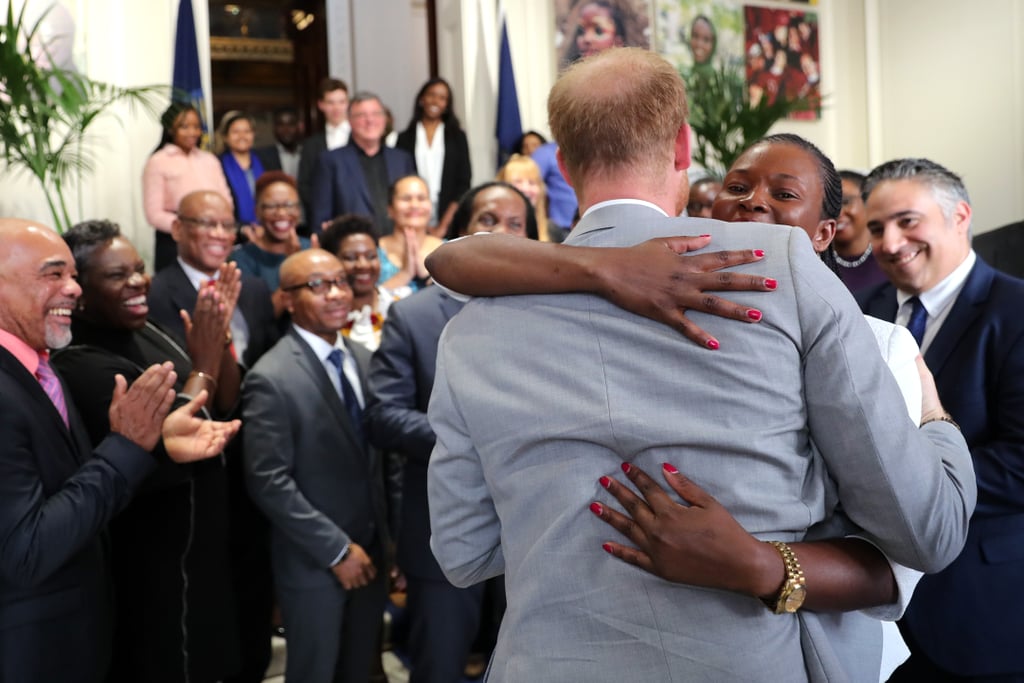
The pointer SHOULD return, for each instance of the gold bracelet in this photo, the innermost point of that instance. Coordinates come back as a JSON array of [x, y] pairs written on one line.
[[206, 377], [228, 339], [945, 417]]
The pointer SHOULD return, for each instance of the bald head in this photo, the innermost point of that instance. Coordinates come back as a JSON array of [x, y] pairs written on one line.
[[37, 284], [302, 265], [619, 110], [204, 230]]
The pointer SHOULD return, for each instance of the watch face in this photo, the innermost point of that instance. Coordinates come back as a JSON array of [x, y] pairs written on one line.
[[794, 600]]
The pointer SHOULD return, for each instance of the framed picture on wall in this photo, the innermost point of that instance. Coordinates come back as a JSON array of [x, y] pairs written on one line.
[[586, 27], [781, 47]]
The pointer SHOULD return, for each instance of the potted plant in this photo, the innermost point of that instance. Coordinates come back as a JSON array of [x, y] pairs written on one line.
[[723, 120], [46, 112]]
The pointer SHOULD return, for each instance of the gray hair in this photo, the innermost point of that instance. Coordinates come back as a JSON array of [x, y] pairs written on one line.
[[947, 187], [363, 96]]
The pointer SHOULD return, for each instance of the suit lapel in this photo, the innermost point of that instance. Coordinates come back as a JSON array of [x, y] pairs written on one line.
[[311, 365], [966, 309], [42, 406]]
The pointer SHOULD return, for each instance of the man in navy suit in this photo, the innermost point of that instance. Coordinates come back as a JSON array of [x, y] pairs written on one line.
[[356, 178], [444, 619], [964, 623], [56, 496]]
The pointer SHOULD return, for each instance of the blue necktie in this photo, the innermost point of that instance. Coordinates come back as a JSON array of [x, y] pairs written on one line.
[[918, 317], [348, 394]]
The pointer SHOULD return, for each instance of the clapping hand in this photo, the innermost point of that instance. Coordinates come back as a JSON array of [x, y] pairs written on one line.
[[188, 438]]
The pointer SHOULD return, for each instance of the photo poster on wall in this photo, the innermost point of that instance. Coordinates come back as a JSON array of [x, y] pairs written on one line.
[[586, 27], [781, 47], [775, 46]]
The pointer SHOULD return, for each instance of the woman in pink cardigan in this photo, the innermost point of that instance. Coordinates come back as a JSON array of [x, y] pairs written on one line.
[[175, 169]]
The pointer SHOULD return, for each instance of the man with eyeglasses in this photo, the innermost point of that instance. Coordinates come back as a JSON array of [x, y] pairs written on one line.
[[310, 468], [205, 233], [355, 178]]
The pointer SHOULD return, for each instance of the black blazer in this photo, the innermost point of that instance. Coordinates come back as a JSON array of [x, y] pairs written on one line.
[[56, 497], [456, 173], [171, 292], [1003, 248], [270, 157], [968, 617], [401, 378], [309, 162]]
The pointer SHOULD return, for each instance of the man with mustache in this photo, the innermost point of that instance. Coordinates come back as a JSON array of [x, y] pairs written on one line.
[[56, 496]]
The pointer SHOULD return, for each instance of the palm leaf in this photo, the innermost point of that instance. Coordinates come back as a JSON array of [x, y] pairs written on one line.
[[723, 121], [46, 113]]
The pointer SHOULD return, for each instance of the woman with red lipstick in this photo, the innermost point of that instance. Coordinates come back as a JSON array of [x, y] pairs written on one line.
[[402, 253], [174, 619], [439, 147], [278, 209], [176, 168]]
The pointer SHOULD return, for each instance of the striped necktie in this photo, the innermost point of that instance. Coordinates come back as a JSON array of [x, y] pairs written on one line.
[[51, 385]]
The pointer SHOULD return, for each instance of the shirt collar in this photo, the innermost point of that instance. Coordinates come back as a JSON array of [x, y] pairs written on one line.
[[617, 202], [320, 347], [17, 347], [936, 299], [196, 277]]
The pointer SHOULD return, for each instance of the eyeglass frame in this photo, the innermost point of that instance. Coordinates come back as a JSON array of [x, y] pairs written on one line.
[[208, 225], [341, 282]]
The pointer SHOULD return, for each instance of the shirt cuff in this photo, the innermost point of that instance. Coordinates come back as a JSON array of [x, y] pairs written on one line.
[[341, 555]]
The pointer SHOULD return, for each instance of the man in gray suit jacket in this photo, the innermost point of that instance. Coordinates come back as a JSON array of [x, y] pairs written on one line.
[[311, 471], [789, 420]]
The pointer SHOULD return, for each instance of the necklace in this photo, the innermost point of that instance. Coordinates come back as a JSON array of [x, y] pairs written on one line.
[[851, 264]]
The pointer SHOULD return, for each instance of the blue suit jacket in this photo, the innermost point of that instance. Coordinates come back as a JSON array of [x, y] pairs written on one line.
[[340, 187], [401, 378], [969, 618], [55, 501]]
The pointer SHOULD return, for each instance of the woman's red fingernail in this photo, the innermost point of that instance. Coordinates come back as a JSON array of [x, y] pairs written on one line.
[[597, 509], [754, 314], [771, 283], [668, 468], [605, 481], [703, 235], [626, 467], [712, 344], [607, 547], [759, 253]]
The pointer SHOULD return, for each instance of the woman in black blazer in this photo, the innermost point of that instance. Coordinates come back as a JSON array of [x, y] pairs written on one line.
[[433, 112]]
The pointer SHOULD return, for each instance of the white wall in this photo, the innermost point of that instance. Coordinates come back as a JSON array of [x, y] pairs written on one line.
[[951, 88], [127, 43]]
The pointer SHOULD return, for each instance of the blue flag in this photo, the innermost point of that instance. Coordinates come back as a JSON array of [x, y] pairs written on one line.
[[188, 84], [509, 125]]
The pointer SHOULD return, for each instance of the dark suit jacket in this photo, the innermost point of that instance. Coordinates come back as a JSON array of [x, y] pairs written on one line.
[[171, 292], [55, 500], [307, 467], [401, 379], [340, 187], [309, 162], [969, 617], [270, 157], [1003, 248], [456, 173]]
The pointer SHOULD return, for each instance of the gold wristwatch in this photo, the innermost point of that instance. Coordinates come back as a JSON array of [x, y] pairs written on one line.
[[791, 595]]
